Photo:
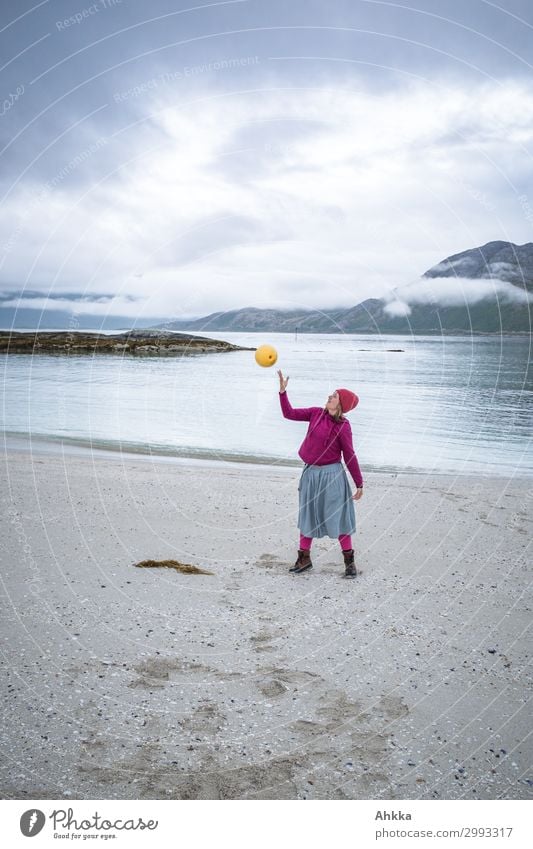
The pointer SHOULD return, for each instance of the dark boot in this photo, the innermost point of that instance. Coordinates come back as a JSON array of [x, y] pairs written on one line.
[[349, 565], [303, 562]]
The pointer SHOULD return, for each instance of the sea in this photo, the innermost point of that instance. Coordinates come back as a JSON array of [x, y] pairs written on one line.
[[430, 404]]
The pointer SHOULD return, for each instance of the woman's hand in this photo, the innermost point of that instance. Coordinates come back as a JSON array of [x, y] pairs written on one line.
[[282, 381], [358, 494]]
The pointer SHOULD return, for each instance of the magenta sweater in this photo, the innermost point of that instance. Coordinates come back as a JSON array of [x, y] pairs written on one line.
[[325, 438]]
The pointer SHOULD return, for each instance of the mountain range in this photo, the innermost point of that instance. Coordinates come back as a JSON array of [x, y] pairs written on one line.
[[499, 310], [486, 289]]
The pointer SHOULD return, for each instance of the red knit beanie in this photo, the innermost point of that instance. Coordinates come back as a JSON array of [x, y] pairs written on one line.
[[348, 400]]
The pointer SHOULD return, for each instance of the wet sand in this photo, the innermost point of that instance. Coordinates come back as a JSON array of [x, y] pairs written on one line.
[[410, 682]]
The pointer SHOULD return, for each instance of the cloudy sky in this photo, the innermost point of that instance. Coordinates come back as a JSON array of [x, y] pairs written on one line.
[[170, 159]]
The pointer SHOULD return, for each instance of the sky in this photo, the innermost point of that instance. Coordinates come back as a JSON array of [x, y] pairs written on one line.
[[172, 159]]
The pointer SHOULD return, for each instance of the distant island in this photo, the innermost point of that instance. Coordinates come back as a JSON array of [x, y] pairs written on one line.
[[138, 343], [495, 260]]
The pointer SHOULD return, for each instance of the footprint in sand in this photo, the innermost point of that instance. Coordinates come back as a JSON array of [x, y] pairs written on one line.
[[262, 639], [156, 672], [273, 688], [269, 561]]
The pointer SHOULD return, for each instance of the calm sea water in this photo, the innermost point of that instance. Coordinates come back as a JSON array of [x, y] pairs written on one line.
[[442, 404]]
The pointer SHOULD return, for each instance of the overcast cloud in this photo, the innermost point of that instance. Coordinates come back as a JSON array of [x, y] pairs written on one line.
[[144, 179]]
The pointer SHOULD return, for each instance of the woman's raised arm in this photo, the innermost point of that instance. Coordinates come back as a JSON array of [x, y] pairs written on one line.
[[298, 414]]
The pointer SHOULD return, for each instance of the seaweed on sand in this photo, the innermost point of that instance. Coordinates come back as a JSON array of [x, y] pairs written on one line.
[[186, 568]]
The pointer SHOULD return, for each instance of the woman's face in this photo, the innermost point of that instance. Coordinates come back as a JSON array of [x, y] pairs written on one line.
[[333, 402]]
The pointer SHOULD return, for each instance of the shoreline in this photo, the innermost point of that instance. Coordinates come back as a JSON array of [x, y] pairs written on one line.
[[100, 448], [195, 331], [124, 683]]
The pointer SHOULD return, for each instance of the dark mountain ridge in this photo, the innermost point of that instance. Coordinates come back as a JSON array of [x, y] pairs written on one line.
[[494, 261]]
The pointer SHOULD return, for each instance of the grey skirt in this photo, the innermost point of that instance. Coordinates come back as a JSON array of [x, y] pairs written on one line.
[[326, 507]]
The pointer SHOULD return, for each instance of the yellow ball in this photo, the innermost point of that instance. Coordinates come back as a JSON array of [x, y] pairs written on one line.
[[266, 356]]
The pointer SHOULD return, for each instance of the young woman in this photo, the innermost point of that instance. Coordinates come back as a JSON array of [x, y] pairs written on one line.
[[325, 499]]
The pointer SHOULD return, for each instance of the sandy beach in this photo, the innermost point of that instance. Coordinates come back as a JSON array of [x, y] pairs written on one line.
[[410, 682]]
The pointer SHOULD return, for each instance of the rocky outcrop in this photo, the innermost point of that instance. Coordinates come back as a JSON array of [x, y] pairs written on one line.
[[138, 343]]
